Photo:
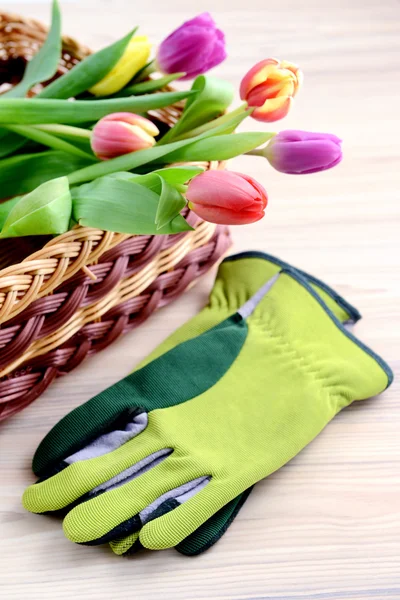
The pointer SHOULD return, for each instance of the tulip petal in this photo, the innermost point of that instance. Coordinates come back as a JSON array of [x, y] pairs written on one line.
[[203, 20], [122, 133], [257, 75], [223, 189], [134, 58], [301, 152], [273, 109], [133, 119], [223, 216], [296, 71], [270, 86], [297, 135], [195, 47], [227, 197], [260, 190]]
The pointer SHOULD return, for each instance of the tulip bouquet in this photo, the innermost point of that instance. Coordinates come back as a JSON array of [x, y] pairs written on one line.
[[88, 148]]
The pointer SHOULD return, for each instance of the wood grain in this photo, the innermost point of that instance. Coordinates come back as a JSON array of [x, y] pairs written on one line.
[[327, 526]]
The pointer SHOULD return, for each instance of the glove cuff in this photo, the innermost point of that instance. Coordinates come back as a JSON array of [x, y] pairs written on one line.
[[241, 275]]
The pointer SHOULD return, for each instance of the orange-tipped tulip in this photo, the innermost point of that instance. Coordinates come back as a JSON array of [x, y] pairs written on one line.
[[122, 133], [227, 198], [270, 87]]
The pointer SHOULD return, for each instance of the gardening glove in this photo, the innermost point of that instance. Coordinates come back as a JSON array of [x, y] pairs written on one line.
[[237, 279], [282, 364]]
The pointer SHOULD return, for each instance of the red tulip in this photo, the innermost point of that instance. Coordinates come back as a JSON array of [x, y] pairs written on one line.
[[227, 198]]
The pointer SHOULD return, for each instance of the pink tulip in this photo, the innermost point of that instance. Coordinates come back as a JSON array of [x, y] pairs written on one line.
[[270, 87], [227, 198], [122, 133]]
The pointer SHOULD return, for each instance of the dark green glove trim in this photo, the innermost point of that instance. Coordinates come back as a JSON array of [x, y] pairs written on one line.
[[171, 379], [212, 530]]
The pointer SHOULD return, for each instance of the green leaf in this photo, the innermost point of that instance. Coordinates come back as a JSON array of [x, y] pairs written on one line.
[[170, 204], [145, 87], [212, 99], [175, 176], [222, 147], [88, 72], [46, 210], [230, 120], [23, 173], [42, 67], [23, 111], [10, 142], [45, 62], [122, 206], [132, 161], [77, 136], [5, 209], [47, 139]]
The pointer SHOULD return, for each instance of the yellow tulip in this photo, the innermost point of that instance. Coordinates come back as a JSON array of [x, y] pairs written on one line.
[[134, 58], [269, 87]]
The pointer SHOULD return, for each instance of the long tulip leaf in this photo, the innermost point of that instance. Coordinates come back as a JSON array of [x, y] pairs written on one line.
[[88, 72], [10, 142], [45, 62], [23, 111], [22, 173], [222, 147], [49, 140], [146, 87], [42, 67]]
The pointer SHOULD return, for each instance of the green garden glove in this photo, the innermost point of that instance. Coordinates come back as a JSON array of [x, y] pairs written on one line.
[[238, 277], [245, 397]]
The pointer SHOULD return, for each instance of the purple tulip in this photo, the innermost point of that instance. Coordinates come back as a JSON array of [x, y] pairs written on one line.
[[193, 48], [300, 152]]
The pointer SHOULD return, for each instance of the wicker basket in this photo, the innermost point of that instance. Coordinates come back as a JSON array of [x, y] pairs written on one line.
[[67, 297]]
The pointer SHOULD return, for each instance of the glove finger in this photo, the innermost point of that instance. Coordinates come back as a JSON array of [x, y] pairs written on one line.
[[84, 424], [84, 476], [112, 513], [171, 528], [208, 534], [126, 544], [164, 504]]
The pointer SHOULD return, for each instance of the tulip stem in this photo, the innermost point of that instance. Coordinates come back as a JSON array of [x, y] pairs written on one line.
[[68, 130], [261, 151], [255, 152], [52, 141], [216, 122]]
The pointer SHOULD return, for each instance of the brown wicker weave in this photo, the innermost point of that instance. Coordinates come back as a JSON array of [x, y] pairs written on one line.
[[74, 295]]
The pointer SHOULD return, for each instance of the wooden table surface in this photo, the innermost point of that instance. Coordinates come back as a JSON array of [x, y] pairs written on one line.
[[327, 526]]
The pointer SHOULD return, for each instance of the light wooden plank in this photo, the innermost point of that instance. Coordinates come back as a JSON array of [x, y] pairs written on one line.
[[327, 526]]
